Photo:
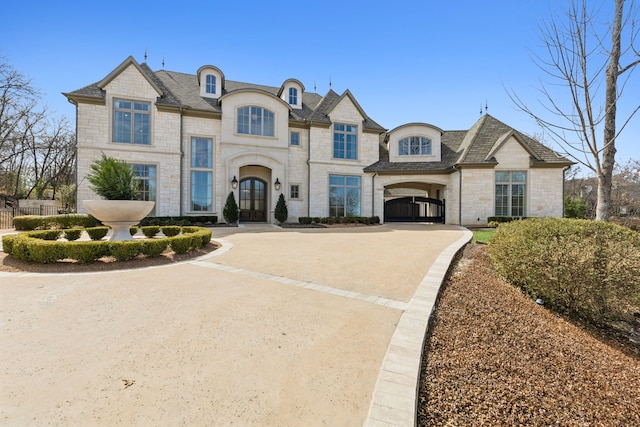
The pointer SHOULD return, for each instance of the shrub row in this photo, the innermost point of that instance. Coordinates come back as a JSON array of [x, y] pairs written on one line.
[[588, 270], [339, 220], [179, 220], [40, 222], [41, 247]]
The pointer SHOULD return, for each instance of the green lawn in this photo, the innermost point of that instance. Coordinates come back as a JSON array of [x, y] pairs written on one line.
[[482, 236]]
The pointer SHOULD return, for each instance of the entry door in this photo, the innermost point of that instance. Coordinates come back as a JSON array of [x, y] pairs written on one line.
[[253, 200]]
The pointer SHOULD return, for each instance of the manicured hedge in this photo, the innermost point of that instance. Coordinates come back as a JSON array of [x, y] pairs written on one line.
[[589, 270], [179, 220], [35, 222], [339, 220], [97, 233], [34, 246]]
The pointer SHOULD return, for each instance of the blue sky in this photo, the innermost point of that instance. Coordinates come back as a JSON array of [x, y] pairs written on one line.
[[405, 61]]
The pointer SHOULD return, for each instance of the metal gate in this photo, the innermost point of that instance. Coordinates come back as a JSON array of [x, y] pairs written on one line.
[[414, 209]]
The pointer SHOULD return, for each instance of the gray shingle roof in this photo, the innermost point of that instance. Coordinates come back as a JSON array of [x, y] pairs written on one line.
[[472, 147], [181, 89]]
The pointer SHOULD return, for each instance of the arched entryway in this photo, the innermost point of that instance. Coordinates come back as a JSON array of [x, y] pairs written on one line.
[[253, 200], [414, 202]]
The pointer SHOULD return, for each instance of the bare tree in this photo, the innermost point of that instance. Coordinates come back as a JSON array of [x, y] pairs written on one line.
[[580, 60], [36, 150]]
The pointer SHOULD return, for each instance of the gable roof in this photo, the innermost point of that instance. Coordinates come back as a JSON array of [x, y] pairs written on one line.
[[475, 147], [177, 89]]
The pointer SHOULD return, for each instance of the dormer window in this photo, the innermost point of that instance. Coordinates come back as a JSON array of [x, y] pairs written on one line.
[[293, 96], [211, 84], [211, 81], [414, 146]]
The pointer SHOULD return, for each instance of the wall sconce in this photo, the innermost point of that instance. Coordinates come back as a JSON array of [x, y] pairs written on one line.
[[234, 182], [277, 184]]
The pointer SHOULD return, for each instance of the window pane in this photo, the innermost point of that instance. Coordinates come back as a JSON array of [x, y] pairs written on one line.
[[344, 195], [518, 176], [295, 138], [503, 176], [243, 120], [201, 153], [201, 189], [268, 123]]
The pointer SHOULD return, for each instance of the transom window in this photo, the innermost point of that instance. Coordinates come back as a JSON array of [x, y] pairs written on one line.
[[293, 96], [211, 84], [414, 146], [345, 141], [201, 174], [131, 122], [344, 195], [256, 121], [511, 193]]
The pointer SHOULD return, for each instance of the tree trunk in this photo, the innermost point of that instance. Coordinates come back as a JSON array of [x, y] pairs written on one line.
[[609, 150]]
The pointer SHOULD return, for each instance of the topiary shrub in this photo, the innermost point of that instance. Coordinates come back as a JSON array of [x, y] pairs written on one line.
[[7, 242], [85, 252], [72, 234], [133, 230], [281, 213], [124, 250], [150, 230], [44, 234], [97, 233], [154, 248], [170, 230], [588, 270], [180, 244], [230, 211]]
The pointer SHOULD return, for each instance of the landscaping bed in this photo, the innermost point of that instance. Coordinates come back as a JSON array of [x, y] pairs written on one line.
[[495, 357]]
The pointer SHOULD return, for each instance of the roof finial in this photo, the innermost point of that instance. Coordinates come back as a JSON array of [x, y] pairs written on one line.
[[145, 54], [486, 106], [481, 108], [315, 88], [163, 62], [329, 81]]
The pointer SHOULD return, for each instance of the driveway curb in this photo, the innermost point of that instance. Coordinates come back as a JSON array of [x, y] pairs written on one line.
[[394, 401]]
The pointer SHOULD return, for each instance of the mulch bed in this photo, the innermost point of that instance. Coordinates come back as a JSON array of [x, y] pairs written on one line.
[[494, 357]]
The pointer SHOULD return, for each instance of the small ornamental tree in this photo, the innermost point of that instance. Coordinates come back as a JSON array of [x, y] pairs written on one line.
[[230, 211], [282, 213], [113, 179]]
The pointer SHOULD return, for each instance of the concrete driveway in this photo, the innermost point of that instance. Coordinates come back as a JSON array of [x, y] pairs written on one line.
[[278, 327]]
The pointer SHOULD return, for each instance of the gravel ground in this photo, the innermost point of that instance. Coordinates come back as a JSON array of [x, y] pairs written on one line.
[[494, 357]]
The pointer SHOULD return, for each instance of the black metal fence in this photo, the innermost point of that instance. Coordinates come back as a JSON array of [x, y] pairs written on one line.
[[7, 214]]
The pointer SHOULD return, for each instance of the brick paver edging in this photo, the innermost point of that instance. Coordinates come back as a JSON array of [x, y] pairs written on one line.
[[394, 401]]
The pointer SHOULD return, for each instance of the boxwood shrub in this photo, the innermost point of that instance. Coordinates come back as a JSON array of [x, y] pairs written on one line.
[[97, 233], [170, 230], [35, 222], [124, 250], [150, 230], [72, 234], [588, 270], [155, 247], [32, 246]]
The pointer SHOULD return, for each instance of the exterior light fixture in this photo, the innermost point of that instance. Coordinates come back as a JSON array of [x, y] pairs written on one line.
[[234, 182], [277, 184]]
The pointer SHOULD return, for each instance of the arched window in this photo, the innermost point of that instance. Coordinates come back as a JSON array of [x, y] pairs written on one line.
[[255, 121], [414, 146]]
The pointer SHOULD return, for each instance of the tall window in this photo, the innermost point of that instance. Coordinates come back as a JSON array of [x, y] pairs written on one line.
[[345, 141], [293, 96], [201, 174], [255, 121], [511, 193], [146, 174], [211, 84], [131, 121], [344, 195], [294, 138], [294, 191], [414, 146]]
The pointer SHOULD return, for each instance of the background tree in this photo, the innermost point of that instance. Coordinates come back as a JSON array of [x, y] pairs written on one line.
[[37, 150], [585, 58]]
